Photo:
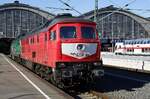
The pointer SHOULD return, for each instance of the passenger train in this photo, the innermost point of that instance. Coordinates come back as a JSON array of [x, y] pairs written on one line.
[[66, 51], [133, 47]]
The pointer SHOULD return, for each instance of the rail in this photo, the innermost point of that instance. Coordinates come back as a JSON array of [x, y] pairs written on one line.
[[93, 95]]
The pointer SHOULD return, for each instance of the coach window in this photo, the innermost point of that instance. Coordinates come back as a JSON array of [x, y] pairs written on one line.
[[53, 35], [136, 42], [68, 32], [119, 46], [88, 32], [146, 49], [129, 43], [142, 49]]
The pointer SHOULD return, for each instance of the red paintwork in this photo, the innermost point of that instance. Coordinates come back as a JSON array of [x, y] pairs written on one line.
[[49, 52]]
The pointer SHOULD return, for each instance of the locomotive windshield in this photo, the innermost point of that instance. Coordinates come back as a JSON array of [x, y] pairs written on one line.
[[68, 32], [88, 32]]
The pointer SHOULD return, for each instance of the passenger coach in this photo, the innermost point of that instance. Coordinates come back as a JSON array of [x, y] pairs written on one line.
[[133, 47]]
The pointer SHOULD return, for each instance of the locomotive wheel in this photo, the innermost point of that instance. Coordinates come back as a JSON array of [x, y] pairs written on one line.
[[37, 69], [47, 77], [48, 73], [61, 85], [52, 79], [42, 72]]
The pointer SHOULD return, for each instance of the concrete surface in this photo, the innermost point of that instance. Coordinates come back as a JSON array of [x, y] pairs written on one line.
[[125, 61], [14, 86]]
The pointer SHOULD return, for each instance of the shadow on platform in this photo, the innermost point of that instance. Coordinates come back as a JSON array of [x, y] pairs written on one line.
[[111, 83]]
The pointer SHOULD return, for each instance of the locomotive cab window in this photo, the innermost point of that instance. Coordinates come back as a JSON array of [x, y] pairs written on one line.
[[68, 32], [88, 32]]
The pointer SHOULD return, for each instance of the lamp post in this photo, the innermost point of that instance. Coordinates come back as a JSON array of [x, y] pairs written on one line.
[[112, 33], [18, 30], [96, 11], [112, 36]]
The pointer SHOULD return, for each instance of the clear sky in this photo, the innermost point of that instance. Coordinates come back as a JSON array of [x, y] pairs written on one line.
[[84, 6]]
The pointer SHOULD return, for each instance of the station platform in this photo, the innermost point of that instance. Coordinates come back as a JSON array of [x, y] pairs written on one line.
[[141, 63], [17, 82]]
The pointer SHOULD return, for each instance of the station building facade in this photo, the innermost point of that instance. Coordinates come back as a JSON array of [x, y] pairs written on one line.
[[17, 18], [115, 23]]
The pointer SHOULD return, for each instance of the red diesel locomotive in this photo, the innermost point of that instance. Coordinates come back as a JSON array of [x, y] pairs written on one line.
[[66, 50]]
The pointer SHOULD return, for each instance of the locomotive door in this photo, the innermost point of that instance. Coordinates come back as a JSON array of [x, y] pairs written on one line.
[[46, 48], [52, 47]]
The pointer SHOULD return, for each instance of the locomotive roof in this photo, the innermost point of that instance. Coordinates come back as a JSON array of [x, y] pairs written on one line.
[[69, 19], [55, 20]]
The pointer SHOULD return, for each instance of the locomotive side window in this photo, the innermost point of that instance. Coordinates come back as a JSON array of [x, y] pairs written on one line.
[[45, 37], [32, 40], [88, 32], [68, 32], [37, 38], [29, 41], [53, 35]]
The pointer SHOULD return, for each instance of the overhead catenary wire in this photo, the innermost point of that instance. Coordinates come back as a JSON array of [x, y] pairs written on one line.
[[113, 3], [70, 7], [126, 5], [58, 8], [138, 9]]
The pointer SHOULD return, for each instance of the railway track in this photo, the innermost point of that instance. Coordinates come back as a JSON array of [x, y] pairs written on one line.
[[93, 95], [76, 93]]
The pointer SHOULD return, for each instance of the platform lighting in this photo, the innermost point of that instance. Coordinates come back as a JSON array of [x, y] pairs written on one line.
[[96, 11]]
